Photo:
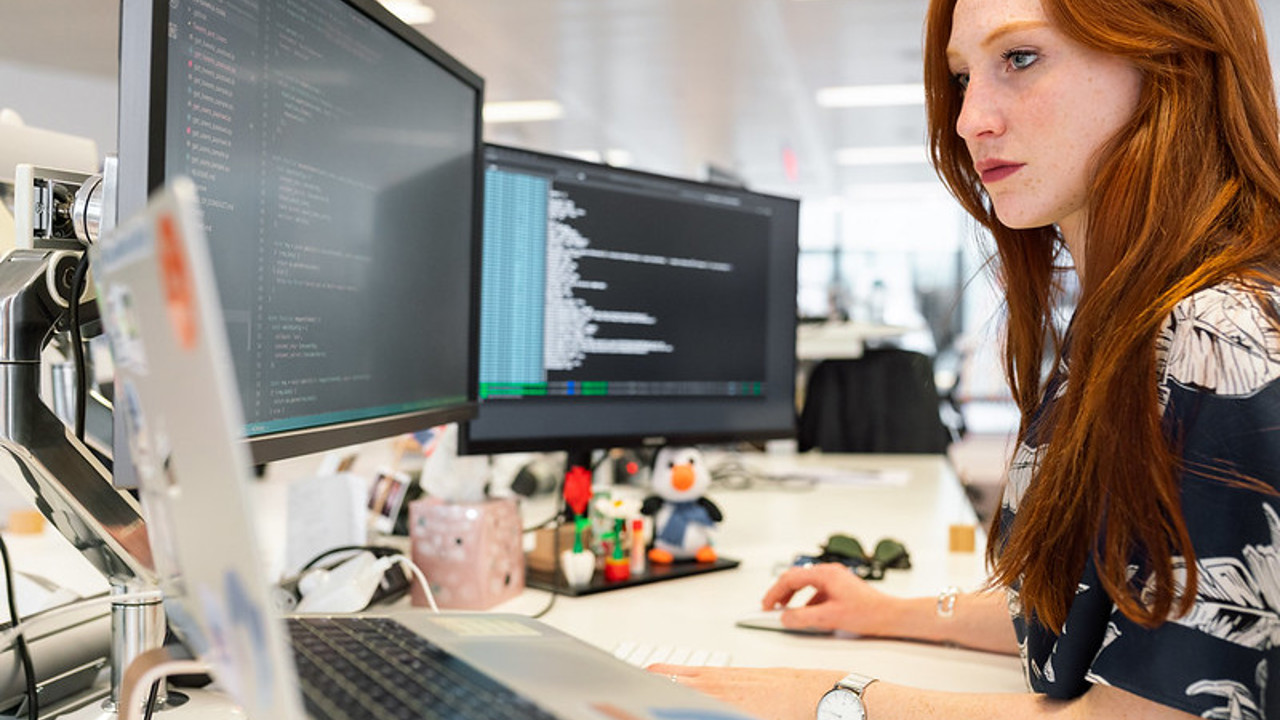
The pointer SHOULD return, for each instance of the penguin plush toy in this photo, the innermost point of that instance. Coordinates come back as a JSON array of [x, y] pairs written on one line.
[[683, 517]]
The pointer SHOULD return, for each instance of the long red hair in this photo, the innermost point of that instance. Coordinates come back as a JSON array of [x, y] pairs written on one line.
[[1186, 195]]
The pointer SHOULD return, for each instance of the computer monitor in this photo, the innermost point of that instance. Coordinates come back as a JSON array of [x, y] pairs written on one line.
[[622, 308], [337, 156]]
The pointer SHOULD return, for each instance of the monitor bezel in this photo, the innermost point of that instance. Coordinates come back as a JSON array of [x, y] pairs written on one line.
[[468, 444], [141, 131]]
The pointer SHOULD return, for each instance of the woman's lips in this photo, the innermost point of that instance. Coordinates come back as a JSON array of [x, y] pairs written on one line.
[[996, 172]]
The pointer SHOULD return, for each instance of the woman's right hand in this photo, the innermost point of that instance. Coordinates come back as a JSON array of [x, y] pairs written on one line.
[[841, 601]]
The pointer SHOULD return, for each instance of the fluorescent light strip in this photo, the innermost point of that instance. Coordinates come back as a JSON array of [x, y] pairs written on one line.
[[871, 96], [591, 156], [890, 155], [522, 111], [411, 12], [615, 157]]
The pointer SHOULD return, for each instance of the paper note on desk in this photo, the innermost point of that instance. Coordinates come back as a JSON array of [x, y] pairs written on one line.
[[849, 476], [323, 512]]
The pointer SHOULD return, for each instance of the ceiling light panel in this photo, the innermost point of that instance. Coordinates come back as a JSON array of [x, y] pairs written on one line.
[[871, 95], [883, 155], [522, 111]]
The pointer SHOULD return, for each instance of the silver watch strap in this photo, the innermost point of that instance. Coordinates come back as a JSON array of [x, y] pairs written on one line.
[[856, 682]]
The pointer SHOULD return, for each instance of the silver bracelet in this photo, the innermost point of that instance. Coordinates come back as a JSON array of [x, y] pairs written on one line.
[[947, 601]]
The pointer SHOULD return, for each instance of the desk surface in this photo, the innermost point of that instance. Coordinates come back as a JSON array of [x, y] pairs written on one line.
[[915, 500], [765, 527]]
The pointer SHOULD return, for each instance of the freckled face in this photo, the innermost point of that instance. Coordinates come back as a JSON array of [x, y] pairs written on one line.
[[1037, 108]]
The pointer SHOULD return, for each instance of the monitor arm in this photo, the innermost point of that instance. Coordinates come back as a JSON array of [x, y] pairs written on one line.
[[41, 456], [56, 472]]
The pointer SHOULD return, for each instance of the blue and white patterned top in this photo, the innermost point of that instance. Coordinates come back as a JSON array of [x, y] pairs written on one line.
[[1219, 361]]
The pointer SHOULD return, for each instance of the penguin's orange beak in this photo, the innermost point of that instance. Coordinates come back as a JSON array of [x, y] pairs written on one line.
[[682, 477]]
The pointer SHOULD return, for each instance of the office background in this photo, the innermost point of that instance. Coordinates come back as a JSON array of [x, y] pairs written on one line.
[[816, 99]]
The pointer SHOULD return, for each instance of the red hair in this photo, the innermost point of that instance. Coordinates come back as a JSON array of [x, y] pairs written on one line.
[[1185, 196]]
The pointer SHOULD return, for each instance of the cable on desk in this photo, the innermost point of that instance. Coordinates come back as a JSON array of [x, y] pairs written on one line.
[[379, 551], [20, 643], [734, 474], [551, 602], [555, 562], [419, 576], [556, 519], [151, 699]]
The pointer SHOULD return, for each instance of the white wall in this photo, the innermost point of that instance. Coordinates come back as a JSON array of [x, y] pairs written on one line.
[[63, 101]]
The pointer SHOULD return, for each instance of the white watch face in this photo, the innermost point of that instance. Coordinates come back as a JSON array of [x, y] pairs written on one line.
[[841, 704]]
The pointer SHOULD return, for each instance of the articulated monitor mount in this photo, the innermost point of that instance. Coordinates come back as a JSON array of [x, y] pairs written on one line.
[[50, 466]]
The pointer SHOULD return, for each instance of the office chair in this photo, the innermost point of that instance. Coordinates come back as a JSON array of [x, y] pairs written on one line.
[[883, 402]]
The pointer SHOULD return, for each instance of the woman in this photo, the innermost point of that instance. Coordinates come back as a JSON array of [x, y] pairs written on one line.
[[1138, 546]]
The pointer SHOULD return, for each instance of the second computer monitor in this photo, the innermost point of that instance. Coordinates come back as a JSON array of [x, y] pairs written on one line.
[[624, 308]]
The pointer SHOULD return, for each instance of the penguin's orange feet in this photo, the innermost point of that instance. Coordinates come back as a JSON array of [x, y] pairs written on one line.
[[706, 554], [662, 557]]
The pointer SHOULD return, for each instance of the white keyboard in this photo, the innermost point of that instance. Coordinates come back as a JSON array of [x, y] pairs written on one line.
[[644, 655]]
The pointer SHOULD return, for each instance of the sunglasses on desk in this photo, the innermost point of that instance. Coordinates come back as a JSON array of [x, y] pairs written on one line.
[[848, 551]]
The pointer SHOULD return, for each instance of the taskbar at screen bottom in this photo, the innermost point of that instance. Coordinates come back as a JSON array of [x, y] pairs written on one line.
[[339, 417], [621, 388]]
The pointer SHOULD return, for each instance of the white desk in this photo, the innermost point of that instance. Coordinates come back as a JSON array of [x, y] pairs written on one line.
[[765, 529]]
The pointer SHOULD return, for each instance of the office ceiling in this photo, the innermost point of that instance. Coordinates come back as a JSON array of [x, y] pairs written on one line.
[[678, 84], [666, 85]]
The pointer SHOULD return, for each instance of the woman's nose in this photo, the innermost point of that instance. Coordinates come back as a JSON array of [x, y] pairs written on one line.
[[980, 113]]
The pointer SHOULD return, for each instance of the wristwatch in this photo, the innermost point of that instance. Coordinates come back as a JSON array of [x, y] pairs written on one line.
[[844, 701]]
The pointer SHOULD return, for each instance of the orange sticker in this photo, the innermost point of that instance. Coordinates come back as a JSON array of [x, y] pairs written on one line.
[[613, 712], [178, 289]]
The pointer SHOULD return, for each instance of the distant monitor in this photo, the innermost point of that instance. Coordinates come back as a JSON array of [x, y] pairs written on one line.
[[337, 157], [623, 308]]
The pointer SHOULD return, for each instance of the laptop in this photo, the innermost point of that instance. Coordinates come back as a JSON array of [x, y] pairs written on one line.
[[176, 388]]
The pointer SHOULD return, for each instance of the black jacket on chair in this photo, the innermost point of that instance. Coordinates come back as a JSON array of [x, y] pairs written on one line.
[[883, 402]]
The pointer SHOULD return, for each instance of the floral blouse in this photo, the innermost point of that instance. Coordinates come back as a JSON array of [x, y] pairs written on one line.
[[1219, 361]]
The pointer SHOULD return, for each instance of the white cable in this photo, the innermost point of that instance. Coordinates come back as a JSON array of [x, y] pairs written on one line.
[[422, 580]]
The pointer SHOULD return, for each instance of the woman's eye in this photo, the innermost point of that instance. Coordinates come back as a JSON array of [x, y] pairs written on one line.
[[1021, 59]]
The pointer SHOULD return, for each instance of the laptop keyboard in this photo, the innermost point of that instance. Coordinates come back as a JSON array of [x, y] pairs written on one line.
[[354, 667]]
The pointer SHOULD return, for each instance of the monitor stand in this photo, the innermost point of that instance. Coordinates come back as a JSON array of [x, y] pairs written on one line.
[[578, 470], [56, 472]]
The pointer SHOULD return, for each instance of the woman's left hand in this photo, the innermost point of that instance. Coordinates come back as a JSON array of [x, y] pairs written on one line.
[[771, 693]]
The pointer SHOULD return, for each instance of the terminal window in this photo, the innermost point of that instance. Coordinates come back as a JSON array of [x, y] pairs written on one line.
[[599, 283]]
